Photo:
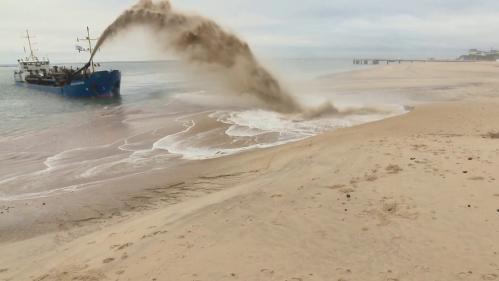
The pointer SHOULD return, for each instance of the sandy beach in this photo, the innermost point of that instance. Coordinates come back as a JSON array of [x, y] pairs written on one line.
[[412, 197]]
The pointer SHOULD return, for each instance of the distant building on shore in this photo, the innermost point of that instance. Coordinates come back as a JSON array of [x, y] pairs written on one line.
[[476, 54]]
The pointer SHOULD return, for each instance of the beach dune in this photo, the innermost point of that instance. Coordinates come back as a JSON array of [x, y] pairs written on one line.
[[413, 197]]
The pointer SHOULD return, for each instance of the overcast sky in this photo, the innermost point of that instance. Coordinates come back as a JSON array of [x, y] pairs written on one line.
[[274, 28]]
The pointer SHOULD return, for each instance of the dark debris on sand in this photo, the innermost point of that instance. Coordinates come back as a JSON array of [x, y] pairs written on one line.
[[492, 135]]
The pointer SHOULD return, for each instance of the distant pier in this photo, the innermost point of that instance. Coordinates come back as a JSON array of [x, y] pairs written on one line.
[[399, 61]]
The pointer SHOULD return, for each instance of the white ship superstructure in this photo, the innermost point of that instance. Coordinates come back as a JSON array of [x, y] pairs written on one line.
[[31, 65]]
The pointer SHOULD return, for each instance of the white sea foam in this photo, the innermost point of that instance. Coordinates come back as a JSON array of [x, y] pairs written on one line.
[[167, 141], [240, 131], [257, 129], [256, 122], [68, 157]]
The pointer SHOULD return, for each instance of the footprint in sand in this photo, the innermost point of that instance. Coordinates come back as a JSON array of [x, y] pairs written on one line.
[[108, 260], [463, 275], [121, 247], [336, 186], [390, 207], [393, 169], [267, 272], [124, 256], [347, 190], [492, 135], [491, 276]]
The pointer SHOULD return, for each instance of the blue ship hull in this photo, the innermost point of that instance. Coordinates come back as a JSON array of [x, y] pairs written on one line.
[[100, 84]]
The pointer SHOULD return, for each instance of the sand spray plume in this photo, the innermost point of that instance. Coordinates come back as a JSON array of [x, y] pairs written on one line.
[[201, 41]]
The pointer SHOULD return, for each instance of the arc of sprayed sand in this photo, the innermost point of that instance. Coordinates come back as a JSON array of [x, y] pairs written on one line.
[[200, 40]]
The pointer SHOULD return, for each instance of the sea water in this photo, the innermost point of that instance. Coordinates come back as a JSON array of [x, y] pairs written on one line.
[[51, 144]]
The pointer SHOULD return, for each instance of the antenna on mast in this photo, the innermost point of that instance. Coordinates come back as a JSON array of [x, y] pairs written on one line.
[[89, 40]]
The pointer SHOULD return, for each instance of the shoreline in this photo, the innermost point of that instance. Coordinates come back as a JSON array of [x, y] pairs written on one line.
[[83, 209], [399, 188]]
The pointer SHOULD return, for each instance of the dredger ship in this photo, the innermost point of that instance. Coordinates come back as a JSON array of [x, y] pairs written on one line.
[[85, 82]]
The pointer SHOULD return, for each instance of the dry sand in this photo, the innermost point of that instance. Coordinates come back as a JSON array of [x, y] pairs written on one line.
[[415, 197]]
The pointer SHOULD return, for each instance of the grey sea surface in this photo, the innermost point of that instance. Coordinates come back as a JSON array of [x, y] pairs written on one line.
[[51, 144]]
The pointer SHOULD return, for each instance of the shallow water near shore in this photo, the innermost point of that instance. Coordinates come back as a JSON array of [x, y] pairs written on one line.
[[51, 145]]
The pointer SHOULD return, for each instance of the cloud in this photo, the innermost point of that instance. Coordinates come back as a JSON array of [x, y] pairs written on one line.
[[340, 28]]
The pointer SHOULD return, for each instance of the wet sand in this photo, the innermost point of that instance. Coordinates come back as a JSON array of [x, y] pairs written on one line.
[[412, 197]]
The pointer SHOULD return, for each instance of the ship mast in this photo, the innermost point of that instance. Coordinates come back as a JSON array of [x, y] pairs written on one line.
[[32, 54], [89, 40]]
